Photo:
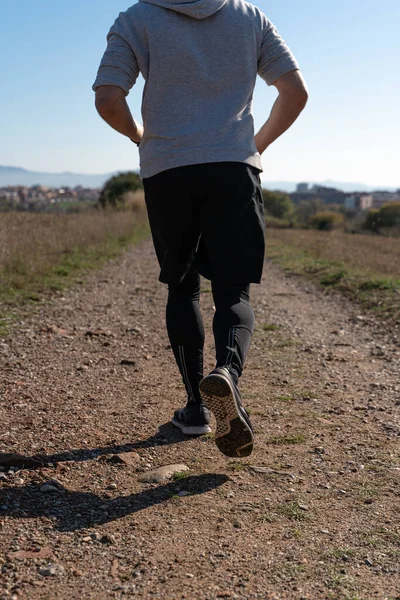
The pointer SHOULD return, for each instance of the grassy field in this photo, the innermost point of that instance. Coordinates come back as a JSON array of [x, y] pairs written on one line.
[[364, 267], [40, 253]]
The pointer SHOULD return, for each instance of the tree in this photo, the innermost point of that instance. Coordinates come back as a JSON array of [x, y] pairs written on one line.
[[278, 204], [115, 189]]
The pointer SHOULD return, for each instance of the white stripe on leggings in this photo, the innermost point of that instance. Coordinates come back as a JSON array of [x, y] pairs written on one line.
[[184, 371], [231, 342]]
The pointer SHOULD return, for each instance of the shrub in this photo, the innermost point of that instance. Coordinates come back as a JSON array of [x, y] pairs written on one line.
[[386, 216], [115, 190], [277, 204], [278, 223], [390, 215], [327, 220], [372, 220]]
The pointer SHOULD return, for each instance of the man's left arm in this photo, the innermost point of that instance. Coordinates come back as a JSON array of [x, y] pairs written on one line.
[[117, 74]]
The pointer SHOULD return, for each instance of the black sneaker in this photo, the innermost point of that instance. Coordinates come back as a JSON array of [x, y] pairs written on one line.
[[193, 419], [234, 434]]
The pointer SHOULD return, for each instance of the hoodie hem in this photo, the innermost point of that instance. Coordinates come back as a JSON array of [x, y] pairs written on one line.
[[156, 165]]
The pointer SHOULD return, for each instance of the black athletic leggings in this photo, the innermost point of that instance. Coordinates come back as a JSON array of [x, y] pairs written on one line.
[[233, 326]]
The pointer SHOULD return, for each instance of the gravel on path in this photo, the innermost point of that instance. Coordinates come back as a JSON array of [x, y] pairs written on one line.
[[88, 384]]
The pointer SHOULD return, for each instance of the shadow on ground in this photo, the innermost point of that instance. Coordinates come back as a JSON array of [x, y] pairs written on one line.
[[72, 511], [166, 435]]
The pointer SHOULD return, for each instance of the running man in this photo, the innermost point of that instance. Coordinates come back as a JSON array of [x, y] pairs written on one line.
[[200, 165]]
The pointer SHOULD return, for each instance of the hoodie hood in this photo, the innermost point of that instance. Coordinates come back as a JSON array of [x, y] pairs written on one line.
[[197, 9]]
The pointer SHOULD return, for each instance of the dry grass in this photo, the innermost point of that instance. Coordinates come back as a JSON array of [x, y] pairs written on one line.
[[378, 255], [32, 245], [364, 267]]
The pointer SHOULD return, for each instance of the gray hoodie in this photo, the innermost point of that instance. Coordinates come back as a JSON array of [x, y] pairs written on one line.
[[199, 60]]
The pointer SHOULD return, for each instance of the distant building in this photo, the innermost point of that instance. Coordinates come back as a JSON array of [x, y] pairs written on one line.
[[326, 195], [302, 188], [358, 202], [38, 198]]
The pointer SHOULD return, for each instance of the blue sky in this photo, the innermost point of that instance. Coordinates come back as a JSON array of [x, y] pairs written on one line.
[[349, 52]]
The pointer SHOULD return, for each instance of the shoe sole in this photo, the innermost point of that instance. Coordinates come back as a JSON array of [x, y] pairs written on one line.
[[233, 435], [191, 429]]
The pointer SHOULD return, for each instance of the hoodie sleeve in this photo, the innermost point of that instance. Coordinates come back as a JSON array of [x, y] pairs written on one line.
[[275, 58], [119, 65]]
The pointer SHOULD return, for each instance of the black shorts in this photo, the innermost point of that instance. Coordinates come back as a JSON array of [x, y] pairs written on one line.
[[209, 216]]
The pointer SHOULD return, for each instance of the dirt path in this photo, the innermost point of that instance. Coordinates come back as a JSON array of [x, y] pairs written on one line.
[[313, 514]]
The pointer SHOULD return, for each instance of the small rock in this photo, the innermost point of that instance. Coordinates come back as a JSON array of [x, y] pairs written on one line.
[[368, 501], [48, 488], [127, 458], [82, 368], [368, 562], [134, 330], [52, 570], [107, 539], [127, 362], [319, 450], [19, 481], [56, 330], [97, 333], [190, 575], [112, 486], [162, 473]]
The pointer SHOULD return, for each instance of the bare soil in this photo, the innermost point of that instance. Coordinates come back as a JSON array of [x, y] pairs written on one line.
[[313, 514]]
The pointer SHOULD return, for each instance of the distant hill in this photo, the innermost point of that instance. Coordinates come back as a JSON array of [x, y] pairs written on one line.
[[290, 186], [18, 176]]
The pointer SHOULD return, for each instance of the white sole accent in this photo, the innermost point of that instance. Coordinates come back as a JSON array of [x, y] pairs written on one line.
[[191, 430]]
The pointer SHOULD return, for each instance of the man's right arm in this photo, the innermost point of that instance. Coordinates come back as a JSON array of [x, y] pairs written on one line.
[[292, 98], [278, 67]]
